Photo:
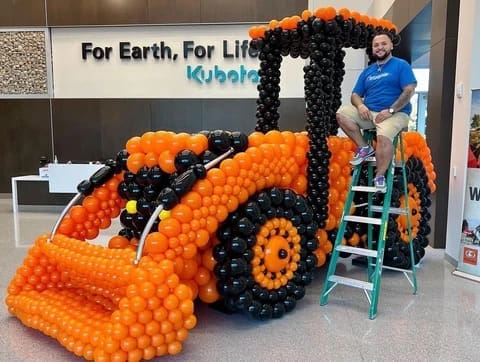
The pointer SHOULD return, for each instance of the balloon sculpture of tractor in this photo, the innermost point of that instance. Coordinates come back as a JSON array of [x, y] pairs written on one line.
[[233, 219]]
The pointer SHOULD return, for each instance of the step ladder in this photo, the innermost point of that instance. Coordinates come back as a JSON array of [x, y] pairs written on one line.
[[374, 256]]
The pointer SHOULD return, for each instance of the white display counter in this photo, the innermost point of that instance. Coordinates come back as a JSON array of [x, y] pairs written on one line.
[[15, 180], [64, 177]]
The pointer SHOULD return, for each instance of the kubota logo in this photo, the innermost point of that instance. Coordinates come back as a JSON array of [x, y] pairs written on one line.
[[470, 256], [206, 76]]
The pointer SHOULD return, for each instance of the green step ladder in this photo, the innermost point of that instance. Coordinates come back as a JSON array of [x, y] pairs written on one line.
[[371, 286]]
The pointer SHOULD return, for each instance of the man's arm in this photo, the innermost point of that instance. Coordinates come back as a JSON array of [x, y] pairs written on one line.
[[404, 97], [356, 100], [362, 109]]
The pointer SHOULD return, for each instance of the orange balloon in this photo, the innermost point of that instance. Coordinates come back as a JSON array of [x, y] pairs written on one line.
[[244, 160], [156, 243], [174, 348], [232, 203], [334, 144], [179, 142], [166, 161], [356, 15], [216, 176], [364, 18], [321, 257], [78, 214], [135, 161], [208, 260], [255, 139], [335, 170], [189, 270], [118, 242], [91, 204], [329, 13], [255, 155], [182, 213], [333, 196], [197, 143], [208, 293], [189, 250], [170, 227], [202, 238], [221, 213], [134, 145], [273, 136], [345, 13], [261, 31], [331, 222], [211, 224], [273, 24], [306, 14], [151, 159], [300, 155], [67, 226], [161, 141], [203, 276], [319, 12], [230, 167], [252, 32], [341, 157], [193, 200], [203, 187], [103, 194], [354, 239], [146, 142]]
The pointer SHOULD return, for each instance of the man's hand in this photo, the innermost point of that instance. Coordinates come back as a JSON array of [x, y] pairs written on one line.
[[364, 112], [382, 116]]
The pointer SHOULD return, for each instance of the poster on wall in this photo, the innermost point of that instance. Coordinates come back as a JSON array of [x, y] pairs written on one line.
[[469, 258]]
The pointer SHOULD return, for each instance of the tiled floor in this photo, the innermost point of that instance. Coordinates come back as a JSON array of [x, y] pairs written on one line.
[[440, 323]]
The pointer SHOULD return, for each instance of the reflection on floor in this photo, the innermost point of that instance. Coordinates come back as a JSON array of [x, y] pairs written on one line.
[[440, 323]]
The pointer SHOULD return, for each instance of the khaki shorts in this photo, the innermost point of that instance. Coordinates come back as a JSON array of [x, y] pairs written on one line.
[[388, 128]]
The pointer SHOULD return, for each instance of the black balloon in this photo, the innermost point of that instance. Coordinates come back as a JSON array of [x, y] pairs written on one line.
[[184, 159], [219, 141]]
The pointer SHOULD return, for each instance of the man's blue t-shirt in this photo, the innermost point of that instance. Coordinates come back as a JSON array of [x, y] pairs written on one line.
[[380, 86]]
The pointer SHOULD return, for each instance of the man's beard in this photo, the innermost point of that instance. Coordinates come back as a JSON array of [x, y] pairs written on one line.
[[383, 57]]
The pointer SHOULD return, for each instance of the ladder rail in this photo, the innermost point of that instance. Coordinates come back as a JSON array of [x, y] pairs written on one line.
[[413, 282], [377, 272], [338, 240]]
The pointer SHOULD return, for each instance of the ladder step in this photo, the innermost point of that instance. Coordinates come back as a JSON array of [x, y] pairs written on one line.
[[394, 269], [351, 282], [391, 210], [357, 251], [364, 188], [363, 219]]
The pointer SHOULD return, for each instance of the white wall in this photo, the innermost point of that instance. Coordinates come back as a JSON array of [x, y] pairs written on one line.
[[468, 77], [475, 72], [360, 6], [380, 7]]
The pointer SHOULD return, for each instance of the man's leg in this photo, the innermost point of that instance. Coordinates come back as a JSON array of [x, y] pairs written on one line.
[[386, 132], [351, 129], [383, 154]]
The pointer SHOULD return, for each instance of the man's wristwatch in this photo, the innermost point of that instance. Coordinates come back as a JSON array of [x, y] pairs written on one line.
[[391, 111]]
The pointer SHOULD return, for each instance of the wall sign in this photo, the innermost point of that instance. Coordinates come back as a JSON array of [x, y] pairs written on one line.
[[198, 61]]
